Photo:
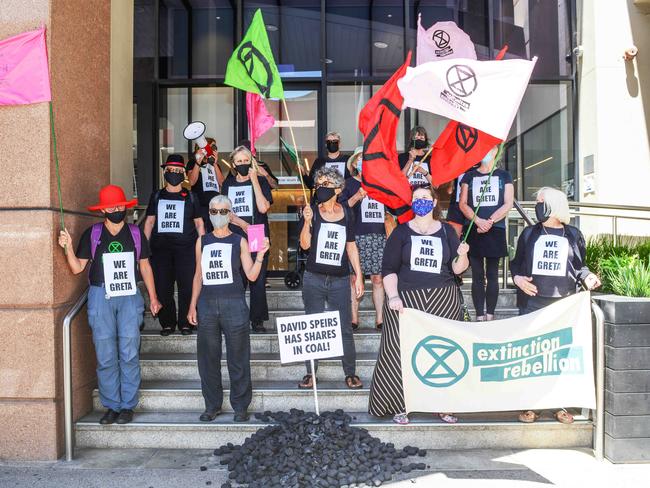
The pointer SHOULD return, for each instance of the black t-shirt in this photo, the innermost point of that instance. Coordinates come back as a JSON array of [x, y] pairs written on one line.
[[416, 179], [339, 163], [421, 261], [242, 196], [122, 242], [328, 253], [368, 213], [207, 185], [173, 227], [221, 271], [493, 197]]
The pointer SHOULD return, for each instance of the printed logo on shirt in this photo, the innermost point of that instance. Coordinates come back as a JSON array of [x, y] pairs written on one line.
[[426, 254], [331, 244], [340, 167], [488, 186], [119, 274], [216, 264], [209, 177], [171, 215], [115, 246], [372, 211], [417, 178], [550, 256], [242, 200]]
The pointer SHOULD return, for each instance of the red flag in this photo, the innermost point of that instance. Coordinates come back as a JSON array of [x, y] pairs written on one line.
[[259, 119], [381, 176], [459, 147]]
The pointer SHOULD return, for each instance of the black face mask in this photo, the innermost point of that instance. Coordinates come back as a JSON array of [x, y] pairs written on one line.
[[116, 217], [324, 194], [174, 178], [419, 144], [542, 212], [242, 169], [332, 146]]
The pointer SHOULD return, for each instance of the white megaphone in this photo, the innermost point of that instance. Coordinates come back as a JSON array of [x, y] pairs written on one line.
[[194, 132]]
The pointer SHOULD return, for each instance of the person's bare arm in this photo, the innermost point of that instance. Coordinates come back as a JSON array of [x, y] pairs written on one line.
[[148, 226]]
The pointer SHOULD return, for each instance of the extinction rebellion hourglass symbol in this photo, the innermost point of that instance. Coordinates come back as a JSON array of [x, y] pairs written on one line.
[[257, 67]]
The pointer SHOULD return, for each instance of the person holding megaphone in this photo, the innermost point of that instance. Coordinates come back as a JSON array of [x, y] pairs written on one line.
[[205, 176]]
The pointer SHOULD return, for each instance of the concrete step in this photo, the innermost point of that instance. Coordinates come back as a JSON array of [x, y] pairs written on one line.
[[366, 340], [179, 396], [264, 366], [183, 430]]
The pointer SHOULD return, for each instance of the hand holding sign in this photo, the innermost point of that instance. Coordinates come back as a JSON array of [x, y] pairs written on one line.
[[255, 237]]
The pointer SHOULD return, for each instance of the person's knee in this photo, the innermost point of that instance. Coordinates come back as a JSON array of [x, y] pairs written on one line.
[[106, 353], [376, 281]]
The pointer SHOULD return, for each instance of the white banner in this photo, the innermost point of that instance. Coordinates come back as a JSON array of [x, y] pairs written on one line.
[[305, 337], [542, 360], [443, 40], [482, 94]]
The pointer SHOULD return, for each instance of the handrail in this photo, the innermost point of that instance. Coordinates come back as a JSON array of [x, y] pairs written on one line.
[[599, 433], [604, 206], [522, 212]]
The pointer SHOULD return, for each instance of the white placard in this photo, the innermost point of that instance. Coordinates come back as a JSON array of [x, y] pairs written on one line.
[[305, 337], [209, 177], [119, 273], [331, 244], [426, 254], [242, 200], [550, 256], [417, 178], [216, 264], [491, 196], [372, 211], [171, 216], [340, 167]]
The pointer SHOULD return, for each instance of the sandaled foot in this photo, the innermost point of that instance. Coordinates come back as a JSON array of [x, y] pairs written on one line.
[[448, 418], [401, 419], [563, 417], [353, 382], [480, 318], [307, 382], [379, 326], [528, 417]]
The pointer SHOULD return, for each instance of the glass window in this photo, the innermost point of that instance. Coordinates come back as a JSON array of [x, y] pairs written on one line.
[[344, 102], [215, 107], [144, 40], [173, 119], [174, 42], [213, 37]]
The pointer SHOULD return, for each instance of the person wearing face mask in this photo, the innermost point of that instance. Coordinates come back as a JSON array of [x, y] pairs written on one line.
[[335, 159], [251, 199], [205, 177], [549, 264], [421, 261], [119, 257], [487, 237], [172, 225], [327, 230], [263, 168], [219, 306], [411, 162], [370, 232]]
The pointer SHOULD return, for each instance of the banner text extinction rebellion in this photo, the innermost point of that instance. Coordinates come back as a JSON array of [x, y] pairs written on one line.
[[546, 355]]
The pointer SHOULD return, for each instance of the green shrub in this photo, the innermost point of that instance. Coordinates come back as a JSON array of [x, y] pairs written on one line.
[[631, 278]]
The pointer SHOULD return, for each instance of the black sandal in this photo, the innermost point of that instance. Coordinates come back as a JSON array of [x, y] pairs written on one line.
[[306, 382], [166, 331], [379, 326], [353, 382]]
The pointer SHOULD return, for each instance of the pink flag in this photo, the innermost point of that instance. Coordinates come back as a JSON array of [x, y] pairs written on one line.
[[443, 40], [24, 74], [259, 120]]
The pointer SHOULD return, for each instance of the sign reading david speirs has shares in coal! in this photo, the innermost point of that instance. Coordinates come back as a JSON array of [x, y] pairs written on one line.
[[305, 337]]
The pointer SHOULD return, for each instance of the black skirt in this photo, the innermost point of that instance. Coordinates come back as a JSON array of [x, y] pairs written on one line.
[[492, 244]]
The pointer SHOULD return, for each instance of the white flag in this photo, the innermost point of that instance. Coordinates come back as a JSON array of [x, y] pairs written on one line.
[[443, 40], [481, 94]]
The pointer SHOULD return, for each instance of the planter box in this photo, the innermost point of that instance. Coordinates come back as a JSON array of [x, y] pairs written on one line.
[[627, 378]]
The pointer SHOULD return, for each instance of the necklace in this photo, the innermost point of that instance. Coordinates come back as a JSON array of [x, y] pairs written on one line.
[[563, 230]]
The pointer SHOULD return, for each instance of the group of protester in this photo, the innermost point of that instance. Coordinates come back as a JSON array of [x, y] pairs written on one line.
[[197, 241]]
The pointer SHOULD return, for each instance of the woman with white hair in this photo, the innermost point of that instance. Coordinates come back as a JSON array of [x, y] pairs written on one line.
[[550, 264], [219, 306]]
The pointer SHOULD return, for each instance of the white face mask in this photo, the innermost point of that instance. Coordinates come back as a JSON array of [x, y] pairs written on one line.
[[219, 221]]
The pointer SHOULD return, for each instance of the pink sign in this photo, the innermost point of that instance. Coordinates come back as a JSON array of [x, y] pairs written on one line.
[[255, 237]]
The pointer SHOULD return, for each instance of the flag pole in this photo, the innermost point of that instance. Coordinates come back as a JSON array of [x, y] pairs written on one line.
[[412, 170], [295, 146], [56, 165]]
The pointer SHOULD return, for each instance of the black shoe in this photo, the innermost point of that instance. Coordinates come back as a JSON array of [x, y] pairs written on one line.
[[209, 416], [186, 331], [125, 417], [241, 416], [258, 326], [166, 331], [109, 417]]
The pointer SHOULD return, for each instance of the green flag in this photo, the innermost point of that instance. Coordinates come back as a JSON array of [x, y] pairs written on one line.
[[290, 149], [251, 67]]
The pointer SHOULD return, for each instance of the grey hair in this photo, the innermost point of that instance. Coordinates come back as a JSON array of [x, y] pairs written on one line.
[[557, 201], [239, 149], [333, 133], [220, 199], [331, 174]]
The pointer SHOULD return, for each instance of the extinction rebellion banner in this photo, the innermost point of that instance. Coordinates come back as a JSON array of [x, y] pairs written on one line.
[[536, 361]]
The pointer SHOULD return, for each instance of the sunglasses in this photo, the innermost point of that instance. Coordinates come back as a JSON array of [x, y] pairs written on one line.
[[219, 211]]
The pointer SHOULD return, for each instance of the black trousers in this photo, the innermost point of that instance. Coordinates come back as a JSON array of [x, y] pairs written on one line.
[[485, 284], [259, 307], [173, 264]]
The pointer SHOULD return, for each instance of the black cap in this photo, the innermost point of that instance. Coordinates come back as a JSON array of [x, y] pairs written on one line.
[[174, 160]]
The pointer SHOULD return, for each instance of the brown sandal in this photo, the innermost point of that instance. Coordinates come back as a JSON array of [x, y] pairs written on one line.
[[353, 382], [563, 417], [307, 382], [528, 417]]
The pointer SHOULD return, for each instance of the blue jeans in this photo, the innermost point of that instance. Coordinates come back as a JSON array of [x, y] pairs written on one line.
[[335, 290], [227, 315], [115, 323]]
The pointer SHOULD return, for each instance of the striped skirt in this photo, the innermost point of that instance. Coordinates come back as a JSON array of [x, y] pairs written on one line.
[[386, 391]]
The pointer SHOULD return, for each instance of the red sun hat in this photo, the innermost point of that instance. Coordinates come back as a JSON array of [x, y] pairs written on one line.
[[112, 196]]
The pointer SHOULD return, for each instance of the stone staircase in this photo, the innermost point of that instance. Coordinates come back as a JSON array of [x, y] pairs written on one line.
[[171, 401]]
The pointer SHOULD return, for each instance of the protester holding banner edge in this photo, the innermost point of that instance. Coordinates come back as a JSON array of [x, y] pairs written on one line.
[[327, 229], [421, 261], [549, 265]]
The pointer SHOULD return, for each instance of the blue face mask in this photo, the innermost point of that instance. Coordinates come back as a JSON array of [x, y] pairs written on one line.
[[487, 159], [422, 206], [359, 161]]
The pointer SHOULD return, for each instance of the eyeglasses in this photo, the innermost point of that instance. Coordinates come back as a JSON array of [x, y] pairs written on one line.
[[219, 211], [174, 170], [327, 184]]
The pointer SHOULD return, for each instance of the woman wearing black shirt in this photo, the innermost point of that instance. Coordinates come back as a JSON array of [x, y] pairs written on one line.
[[411, 163], [206, 178], [549, 264], [421, 261], [172, 225], [327, 230]]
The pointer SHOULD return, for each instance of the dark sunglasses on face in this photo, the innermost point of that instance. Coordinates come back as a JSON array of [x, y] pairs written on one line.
[[219, 211]]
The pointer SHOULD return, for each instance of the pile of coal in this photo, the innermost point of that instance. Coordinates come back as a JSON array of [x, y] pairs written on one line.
[[306, 450]]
